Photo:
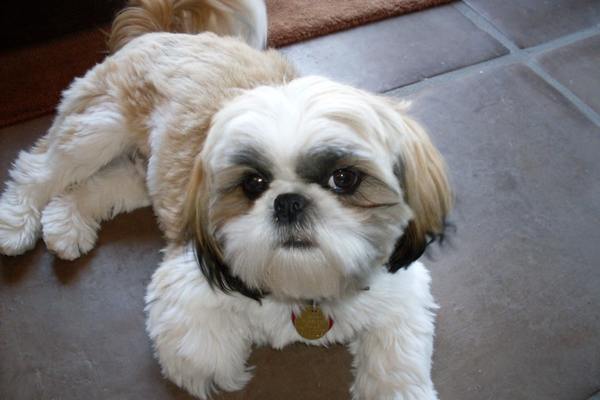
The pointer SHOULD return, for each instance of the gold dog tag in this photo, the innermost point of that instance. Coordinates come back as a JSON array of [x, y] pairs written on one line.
[[311, 324]]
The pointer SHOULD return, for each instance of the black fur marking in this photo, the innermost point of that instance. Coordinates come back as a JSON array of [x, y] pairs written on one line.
[[318, 164], [256, 160], [219, 276], [408, 248], [399, 171]]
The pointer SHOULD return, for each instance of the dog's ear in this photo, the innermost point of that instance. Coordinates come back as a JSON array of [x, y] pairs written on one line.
[[421, 172], [199, 230]]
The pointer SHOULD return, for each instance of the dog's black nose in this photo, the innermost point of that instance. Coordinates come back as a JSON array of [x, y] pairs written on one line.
[[289, 207]]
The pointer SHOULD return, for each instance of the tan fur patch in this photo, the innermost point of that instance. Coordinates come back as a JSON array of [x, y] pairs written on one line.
[[192, 76], [373, 193], [143, 16], [230, 205], [426, 184]]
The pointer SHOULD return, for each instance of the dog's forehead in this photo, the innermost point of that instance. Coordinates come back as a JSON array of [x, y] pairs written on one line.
[[292, 125]]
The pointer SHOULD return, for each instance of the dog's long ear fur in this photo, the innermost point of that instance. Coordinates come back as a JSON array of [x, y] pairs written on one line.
[[198, 229], [422, 174]]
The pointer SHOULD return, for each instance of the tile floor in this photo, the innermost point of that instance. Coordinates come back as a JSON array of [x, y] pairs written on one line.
[[510, 92]]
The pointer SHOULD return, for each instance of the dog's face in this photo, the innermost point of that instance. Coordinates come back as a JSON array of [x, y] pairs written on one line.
[[302, 190]]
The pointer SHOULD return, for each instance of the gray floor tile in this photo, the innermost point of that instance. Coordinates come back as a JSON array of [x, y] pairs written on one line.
[[532, 22], [577, 66], [519, 283], [398, 51]]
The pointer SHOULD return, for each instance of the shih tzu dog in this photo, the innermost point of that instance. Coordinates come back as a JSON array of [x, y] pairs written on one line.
[[294, 208]]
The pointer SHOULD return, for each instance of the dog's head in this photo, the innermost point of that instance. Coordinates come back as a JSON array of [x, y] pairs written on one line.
[[302, 190]]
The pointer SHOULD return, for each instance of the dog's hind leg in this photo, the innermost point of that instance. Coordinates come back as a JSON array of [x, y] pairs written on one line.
[[81, 141], [71, 220]]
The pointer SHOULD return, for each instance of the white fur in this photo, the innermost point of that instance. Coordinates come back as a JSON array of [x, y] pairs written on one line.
[[203, 337], [19, 214], [71, 220]]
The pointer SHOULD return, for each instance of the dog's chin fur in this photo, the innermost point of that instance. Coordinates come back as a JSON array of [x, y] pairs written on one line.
[[182, 121]]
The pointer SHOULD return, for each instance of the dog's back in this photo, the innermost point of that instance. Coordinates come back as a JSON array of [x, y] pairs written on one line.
[[246, 19]]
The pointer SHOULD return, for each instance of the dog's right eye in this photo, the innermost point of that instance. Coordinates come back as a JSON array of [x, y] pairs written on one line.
[[254, 185], [344, 181]]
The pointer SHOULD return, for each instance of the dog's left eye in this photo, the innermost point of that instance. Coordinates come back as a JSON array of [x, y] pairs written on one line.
[[344, 180], [254, 185]]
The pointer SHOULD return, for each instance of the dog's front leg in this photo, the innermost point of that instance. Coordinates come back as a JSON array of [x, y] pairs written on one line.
[[201, 343], [392, 354], [393, 362]]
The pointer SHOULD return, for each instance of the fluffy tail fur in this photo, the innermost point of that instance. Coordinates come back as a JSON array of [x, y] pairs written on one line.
[[243, 18]]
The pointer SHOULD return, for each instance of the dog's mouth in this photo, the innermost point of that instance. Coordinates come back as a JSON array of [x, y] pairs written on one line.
[[297, 242]]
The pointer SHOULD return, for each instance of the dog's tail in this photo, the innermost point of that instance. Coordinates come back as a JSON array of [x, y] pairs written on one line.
[[243, 18]]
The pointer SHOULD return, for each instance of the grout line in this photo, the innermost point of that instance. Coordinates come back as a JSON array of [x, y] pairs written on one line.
[[527, 56], [563, 41], [453, 75], [516, 54], [482, 23], [488, 27], [566, 92], [485, 25]]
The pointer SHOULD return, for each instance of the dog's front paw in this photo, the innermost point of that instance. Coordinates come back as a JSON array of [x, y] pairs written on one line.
[[202, 380], [67, 231], [19, 227]]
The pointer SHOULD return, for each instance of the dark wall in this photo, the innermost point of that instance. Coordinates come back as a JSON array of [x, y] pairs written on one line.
[[24, 22]]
